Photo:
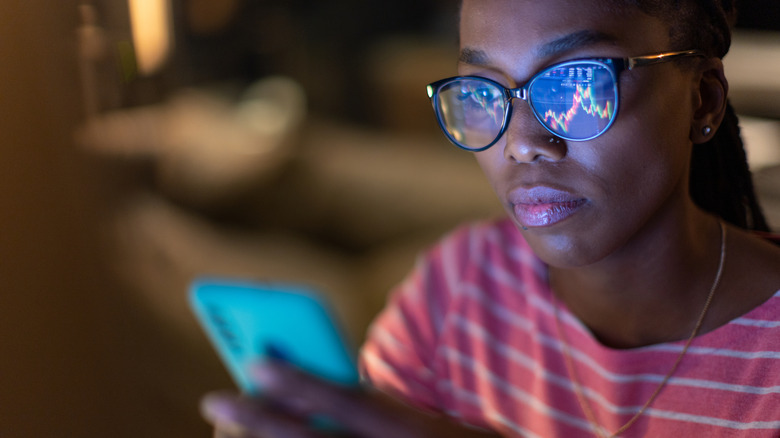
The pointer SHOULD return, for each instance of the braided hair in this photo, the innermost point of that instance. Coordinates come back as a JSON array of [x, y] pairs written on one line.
[[720, 180]]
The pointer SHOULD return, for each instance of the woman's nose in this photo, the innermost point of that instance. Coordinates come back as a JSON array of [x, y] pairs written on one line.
[[528, 141]]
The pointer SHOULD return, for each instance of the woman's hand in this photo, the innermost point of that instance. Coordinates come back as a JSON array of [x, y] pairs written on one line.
[[291, 399]]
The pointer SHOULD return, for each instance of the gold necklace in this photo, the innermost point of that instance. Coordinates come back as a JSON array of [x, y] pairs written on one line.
[[585, 405]]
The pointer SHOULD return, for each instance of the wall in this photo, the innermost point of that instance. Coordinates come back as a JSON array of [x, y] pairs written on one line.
[[71, 352]]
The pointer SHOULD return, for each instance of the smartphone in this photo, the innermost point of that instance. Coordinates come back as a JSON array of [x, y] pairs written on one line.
[[249, 322]]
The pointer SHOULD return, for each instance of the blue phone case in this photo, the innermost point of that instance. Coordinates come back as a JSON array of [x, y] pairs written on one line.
[[250, 322]]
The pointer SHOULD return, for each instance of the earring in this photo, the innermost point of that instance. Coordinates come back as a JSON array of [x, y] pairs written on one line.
[[555, 140], [706, 130]]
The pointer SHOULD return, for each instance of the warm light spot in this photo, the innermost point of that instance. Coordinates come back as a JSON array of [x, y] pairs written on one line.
[[150, 21]]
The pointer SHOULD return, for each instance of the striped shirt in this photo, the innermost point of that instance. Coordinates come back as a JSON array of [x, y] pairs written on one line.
[[472, 332]]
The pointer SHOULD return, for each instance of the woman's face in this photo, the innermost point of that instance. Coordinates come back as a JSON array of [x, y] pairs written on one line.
[[582, 202]]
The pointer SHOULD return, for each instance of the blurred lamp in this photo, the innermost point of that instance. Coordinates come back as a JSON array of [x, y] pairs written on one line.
[[150, 21]]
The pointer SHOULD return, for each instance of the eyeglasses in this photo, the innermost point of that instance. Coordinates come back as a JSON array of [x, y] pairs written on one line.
[[575, 100]]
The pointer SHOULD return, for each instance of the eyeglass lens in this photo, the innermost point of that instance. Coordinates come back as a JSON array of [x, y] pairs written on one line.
[[575, 101]]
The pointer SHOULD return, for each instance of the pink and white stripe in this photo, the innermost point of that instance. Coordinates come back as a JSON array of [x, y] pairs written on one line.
[[472, 333]]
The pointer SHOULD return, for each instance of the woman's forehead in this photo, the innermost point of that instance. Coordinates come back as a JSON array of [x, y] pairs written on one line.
[[553, 28]]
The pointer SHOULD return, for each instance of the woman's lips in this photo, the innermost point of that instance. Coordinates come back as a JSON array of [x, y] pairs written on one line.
[[543, 206]]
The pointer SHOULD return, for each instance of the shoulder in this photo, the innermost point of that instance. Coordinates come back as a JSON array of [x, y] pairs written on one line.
[[474, 255], [493, 239], [757, 256], [486, 260], [472, 250], [751, 277], [770, 237], [479, 258]]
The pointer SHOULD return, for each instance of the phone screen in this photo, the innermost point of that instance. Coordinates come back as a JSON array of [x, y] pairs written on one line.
[[249, 322]]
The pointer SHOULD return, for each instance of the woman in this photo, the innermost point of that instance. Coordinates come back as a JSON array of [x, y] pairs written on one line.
[[624, 295]]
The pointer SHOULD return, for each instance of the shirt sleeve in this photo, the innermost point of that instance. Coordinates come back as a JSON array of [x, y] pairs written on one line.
[[398, 355]]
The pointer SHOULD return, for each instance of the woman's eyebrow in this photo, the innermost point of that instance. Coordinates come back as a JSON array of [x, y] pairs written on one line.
[[572, 41], [473, 57]]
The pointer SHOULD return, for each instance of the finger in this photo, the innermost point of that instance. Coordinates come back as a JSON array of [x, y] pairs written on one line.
[[353, 409], [301, 392], [363, 414], [239, 416]]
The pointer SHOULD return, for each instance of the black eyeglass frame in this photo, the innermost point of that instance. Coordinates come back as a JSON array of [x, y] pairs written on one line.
[[614, 65]]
